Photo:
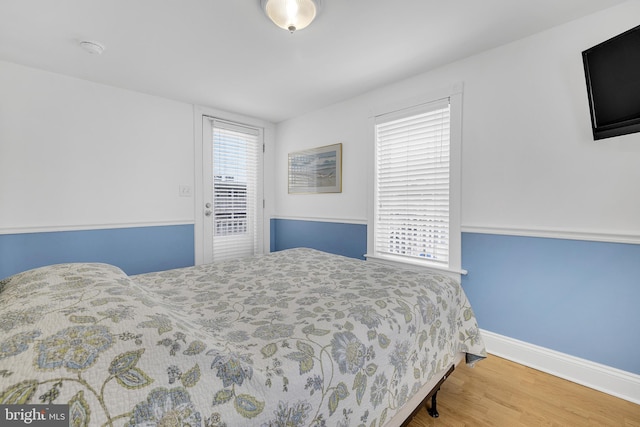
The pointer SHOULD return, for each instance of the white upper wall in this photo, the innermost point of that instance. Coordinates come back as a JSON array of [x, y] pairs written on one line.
[[529, 160], [79, 154]]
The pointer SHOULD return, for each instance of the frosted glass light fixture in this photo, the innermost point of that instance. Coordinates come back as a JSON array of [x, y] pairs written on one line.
[[291, 15]]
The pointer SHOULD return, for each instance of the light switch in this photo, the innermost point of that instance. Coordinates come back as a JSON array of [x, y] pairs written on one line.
[[184, 191]]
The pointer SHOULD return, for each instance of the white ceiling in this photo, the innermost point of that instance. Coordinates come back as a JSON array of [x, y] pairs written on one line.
[[226, 54]]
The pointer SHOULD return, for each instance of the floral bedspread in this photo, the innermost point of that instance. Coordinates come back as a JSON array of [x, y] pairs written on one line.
[[292, 338]]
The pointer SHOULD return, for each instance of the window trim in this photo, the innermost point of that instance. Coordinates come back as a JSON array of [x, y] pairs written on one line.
[[455, 95]]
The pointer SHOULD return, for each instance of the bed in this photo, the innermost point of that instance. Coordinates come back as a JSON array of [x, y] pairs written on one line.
[[291, 338]]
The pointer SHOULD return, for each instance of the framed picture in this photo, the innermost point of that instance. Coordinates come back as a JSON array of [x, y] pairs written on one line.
[[318, 170]]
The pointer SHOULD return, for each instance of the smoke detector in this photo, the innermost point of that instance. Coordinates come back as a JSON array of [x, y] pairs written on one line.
[[92, 47]]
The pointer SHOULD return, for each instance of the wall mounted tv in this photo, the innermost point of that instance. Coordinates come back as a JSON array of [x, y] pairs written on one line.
[[612, 70]]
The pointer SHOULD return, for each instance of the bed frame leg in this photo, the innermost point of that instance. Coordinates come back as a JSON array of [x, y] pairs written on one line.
[[433, 411]]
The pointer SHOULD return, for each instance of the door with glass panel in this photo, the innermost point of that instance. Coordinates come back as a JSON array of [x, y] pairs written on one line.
[[232, 170]]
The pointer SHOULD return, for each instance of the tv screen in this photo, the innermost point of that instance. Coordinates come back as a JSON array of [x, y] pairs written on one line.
[[612, 71]]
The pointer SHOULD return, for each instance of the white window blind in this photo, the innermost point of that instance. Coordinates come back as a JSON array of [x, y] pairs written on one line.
[[412, 188], [235, 190]]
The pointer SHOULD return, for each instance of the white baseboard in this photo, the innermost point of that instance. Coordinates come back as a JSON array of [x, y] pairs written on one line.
[[622, 384]]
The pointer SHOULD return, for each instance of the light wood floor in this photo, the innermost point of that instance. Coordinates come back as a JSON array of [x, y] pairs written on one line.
[[499, 393]]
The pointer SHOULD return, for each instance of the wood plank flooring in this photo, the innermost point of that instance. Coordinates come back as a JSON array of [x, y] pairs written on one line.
[[498, 392]]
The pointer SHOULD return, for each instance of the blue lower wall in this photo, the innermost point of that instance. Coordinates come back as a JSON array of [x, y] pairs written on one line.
[[134, 250], [577, 297], [581, 298], [338, 238]]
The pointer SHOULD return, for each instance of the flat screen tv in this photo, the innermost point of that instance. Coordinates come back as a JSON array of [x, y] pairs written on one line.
[[612, 70]]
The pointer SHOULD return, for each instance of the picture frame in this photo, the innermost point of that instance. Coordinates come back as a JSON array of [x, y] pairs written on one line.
[[317, 170]]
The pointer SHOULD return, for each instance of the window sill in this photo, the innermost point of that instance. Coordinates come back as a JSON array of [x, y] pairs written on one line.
[[419, 265]]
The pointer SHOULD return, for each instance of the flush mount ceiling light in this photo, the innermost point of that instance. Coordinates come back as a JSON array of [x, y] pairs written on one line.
[[291, 15], [93, 48]]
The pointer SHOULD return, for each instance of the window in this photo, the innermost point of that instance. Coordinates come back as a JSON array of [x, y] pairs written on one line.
[[229, 206], [416, 190], [236, 196]]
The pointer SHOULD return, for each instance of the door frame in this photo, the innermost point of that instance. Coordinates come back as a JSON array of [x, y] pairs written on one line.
[[268, 134]]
